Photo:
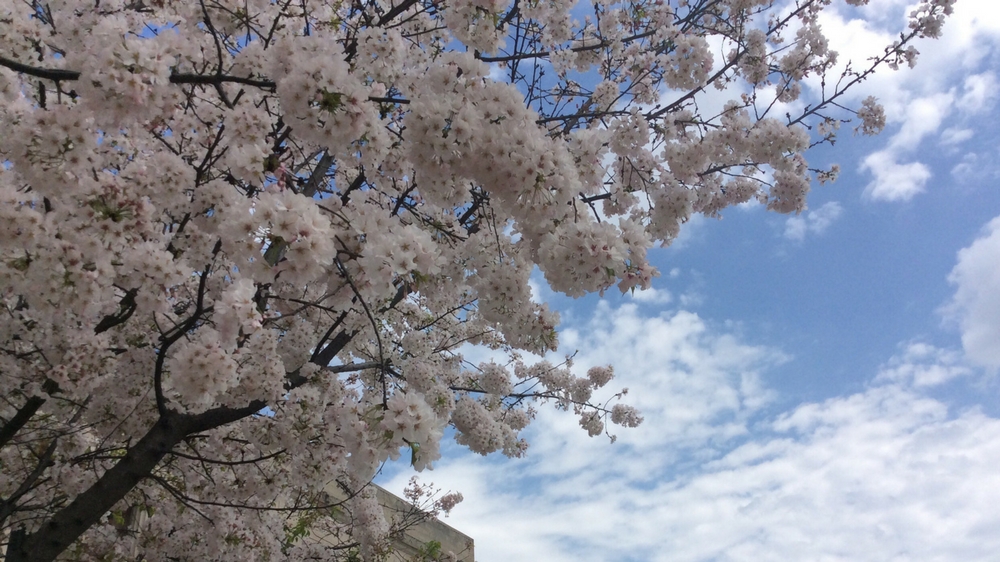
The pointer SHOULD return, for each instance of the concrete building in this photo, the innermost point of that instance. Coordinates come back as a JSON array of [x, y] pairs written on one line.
[[422, 539], [416, 539]]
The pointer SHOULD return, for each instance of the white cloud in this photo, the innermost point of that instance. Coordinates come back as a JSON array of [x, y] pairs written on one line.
[[535, 287], [894, 181], [976, 303], [980, 91], [923, 365], [964, 169], [815, 222], [962, 49], [888, 473], [653, 295], [697, 389], [880, 475], [691, 377], [923, 117], [947, 87], [901, 182], [955, 135]]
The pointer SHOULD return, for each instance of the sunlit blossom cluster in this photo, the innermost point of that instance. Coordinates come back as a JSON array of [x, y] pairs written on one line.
[[872, 116]]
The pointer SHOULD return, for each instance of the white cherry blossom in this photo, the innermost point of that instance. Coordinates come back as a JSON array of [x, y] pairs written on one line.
[[244, 245]]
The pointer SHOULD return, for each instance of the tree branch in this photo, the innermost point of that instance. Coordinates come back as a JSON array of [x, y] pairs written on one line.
[[10, 429], [53, 74], [126, 308], [66, 526], [318, 173]]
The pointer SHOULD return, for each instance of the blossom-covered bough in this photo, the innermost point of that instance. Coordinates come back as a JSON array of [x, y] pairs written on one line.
[[243, 244]]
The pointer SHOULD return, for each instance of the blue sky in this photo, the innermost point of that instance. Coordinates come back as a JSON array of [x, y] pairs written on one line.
[[818, 387]]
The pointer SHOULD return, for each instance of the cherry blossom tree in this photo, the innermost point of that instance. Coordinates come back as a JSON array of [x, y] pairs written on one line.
[[245, 245]]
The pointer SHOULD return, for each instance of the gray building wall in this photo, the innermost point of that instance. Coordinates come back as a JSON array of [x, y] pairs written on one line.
[[421, 535]]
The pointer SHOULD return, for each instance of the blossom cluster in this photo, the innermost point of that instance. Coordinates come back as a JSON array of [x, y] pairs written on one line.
[[246, 247]]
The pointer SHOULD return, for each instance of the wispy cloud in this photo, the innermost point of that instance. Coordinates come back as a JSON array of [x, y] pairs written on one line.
[[895, 180], [979, 93], [952, 82], [923, 365], [815, 222], [955, 135]]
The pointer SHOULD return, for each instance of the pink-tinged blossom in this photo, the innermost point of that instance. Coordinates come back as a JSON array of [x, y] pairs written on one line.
[[600, 376], [872, 116], [245, 245]]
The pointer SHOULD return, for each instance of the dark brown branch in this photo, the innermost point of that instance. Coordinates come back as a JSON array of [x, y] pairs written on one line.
[[725, 68], [10, 429], [214, 80], [401, 101], [9, 506], [186, 499], [321, 356], [351, 367], [218, 80], [66, 526], [126, 308], [395, 11], [839, 90], [597, 197], [53, 74], [540, 54], [356, 184], [226, 463], [578, 116], [318, 173], [59, 75]]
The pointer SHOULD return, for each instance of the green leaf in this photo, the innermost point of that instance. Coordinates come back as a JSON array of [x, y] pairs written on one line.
[[414, 451], [275, 251], [331, 101]]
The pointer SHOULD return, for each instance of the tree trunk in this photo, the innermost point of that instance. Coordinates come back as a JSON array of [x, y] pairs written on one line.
[[66, 526]]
